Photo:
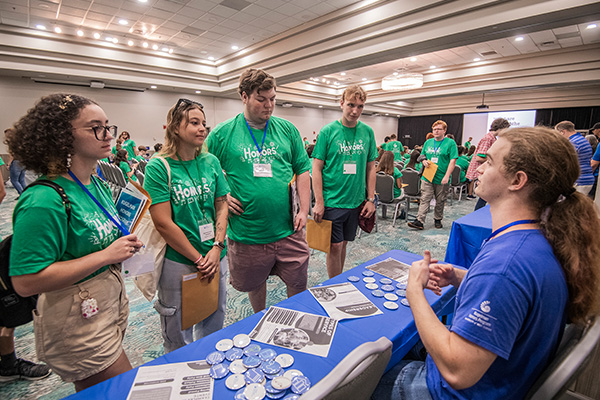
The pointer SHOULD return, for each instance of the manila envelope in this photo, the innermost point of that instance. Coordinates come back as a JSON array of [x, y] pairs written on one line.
[[318, 236], [199, 299], [429, 172]]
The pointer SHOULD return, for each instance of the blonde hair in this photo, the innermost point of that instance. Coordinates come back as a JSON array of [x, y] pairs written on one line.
[[353, 92], [176, 115]]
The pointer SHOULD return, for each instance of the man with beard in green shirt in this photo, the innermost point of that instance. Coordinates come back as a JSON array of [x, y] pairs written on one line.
[[260, 155]]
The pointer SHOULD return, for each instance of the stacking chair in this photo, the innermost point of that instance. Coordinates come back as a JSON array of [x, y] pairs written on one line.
[[574, 353], [142, 166], [140, 176], [356, 376], [458, 185], [413, 191], [384, 186], [454, 182]]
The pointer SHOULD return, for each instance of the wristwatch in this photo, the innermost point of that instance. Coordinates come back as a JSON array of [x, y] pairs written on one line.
[[371, 199], [220, 245]]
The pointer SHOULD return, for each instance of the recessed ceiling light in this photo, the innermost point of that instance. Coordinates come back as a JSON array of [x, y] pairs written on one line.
[[328, 82], [320, 106], [145, 45], [323, 80], [198, 91], [477, 59], [413, 59], [336, 83], [432, 67], [153, 87], [170, 51], [591, 26], [143, 1], [343, 74], [96, 35], [165, 49], [519, 39], [234, 47], [41, 27], [115, 40], [108, 39], [80, 33], [154, 47], [211, 58], [130, 43], [395, 73], [387, 114], [123, 22], [364, 79], [57, 29]]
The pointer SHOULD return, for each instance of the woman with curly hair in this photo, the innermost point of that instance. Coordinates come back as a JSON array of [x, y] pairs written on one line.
[[71, 258], [189, 209], [123, 164]]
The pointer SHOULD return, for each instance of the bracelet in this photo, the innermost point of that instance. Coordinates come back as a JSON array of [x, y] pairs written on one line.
[[198, 260]]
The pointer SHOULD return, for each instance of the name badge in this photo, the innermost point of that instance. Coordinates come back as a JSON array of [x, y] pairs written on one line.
[[434, 159], [263, 170], [207, 232], [349, 168]]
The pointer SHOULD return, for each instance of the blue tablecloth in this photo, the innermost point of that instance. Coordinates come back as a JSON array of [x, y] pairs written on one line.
[[467, 235], [397, 325]]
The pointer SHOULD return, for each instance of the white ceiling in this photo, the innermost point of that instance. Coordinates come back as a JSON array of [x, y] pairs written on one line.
[[557, 62]]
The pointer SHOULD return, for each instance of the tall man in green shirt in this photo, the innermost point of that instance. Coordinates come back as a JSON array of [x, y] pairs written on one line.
[[260, 155], [344, 175], [443, 152]]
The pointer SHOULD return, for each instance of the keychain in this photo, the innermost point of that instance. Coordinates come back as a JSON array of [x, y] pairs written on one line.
[[89, 305]]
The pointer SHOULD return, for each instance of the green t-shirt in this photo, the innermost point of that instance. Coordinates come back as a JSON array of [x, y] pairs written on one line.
[[127, 169], [306, 143], [1, 161], [397, 190], [445, 151], [194, 186], [467, 145], [463, 163], [139, 158], [395, 147], [335, 146], [406, 157], [267, 216], [114, 150], [129, 145], [41, 235]]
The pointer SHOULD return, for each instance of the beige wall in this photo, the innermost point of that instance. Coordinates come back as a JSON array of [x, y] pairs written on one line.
[[143, 114]]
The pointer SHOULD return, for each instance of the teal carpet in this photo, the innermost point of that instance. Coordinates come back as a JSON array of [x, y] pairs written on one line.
[[143, 340]]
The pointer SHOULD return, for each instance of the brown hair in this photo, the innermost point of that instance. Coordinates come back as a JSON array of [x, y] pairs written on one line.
[[568, 218], [42, 140], [178, 113], [413, 159], [498, 124], [386, 163], [255, 79], [565, 125], [353, 92]]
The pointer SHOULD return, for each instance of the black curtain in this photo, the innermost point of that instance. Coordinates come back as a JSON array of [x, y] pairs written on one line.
[[582, 117], [413, 130]]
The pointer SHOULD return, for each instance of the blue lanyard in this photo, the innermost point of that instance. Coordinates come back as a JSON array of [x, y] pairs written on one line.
[[253, 138], [123, 230], [505, 227], [436, 150]]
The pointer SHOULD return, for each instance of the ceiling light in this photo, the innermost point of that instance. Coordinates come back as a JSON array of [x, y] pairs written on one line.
[[234, 47], [364, 79], [115, 40], [343, 74], [432, 67], [154, 47], [387, 114], [211, 58], [519, 39], [170, 51], [413, 59], [477, 59], [336, 83], [57, 29], [145, 45], [591, 26], [130, 43], [323, 80], [198, 91], [328, 82], [108, 39], [320, 106], [153, 87], [395, 73], [123, 22], [40, 26], [96, 35], [80, 33], [143, 1], [165, 49], [403, 80]]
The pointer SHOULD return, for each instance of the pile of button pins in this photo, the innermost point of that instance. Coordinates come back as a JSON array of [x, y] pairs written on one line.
[[255, 372], [386, 290]]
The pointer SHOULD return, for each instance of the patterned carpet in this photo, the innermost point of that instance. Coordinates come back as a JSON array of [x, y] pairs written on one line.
[[143, 341]]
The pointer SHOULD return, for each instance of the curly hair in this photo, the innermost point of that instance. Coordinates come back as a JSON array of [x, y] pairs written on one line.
[[255, 79], [42, 140], [356, 92], [176, 115], [568, 218]]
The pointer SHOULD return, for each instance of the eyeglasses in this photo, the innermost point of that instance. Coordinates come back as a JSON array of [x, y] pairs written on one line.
[[101, 132], [187, 102]]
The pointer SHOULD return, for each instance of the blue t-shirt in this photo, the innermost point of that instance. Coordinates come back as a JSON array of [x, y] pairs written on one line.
[[596, 157], [584, 153], [511, 302]]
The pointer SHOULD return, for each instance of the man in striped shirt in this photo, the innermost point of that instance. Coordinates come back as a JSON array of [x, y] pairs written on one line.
[[584, 153]]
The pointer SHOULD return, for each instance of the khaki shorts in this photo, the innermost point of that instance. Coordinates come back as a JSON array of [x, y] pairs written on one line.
[[251, 264], [75, 347]]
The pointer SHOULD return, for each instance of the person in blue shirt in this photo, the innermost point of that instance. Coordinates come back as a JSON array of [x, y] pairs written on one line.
[[539, 268], [584, 153]]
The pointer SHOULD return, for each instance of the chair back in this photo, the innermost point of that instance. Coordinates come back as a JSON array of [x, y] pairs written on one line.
[[356, 376], [142, 166], [574, 353], [413, 180], [140, 176], [384, 186], [455, 181]]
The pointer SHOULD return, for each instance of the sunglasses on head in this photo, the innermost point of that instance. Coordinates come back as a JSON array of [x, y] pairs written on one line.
[[187, 102]]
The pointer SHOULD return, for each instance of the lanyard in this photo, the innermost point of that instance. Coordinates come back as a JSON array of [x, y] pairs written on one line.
[[437, 149], [509, 225], [201, 191], [351, 146], [260, 149], [123, 230]]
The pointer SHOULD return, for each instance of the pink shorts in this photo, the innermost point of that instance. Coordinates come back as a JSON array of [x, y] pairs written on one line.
[[251, 264]]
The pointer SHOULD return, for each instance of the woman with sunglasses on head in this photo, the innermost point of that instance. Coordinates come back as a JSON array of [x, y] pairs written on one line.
[[189, 209], [68, 253]]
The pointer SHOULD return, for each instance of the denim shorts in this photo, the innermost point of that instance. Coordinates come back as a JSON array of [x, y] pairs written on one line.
[[406, 381]]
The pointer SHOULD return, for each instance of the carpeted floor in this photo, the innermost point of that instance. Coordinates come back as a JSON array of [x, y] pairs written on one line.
[[143, 341]]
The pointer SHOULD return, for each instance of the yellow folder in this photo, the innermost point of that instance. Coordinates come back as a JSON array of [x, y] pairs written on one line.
[[199, 298], [318, 235], [429, 172]]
